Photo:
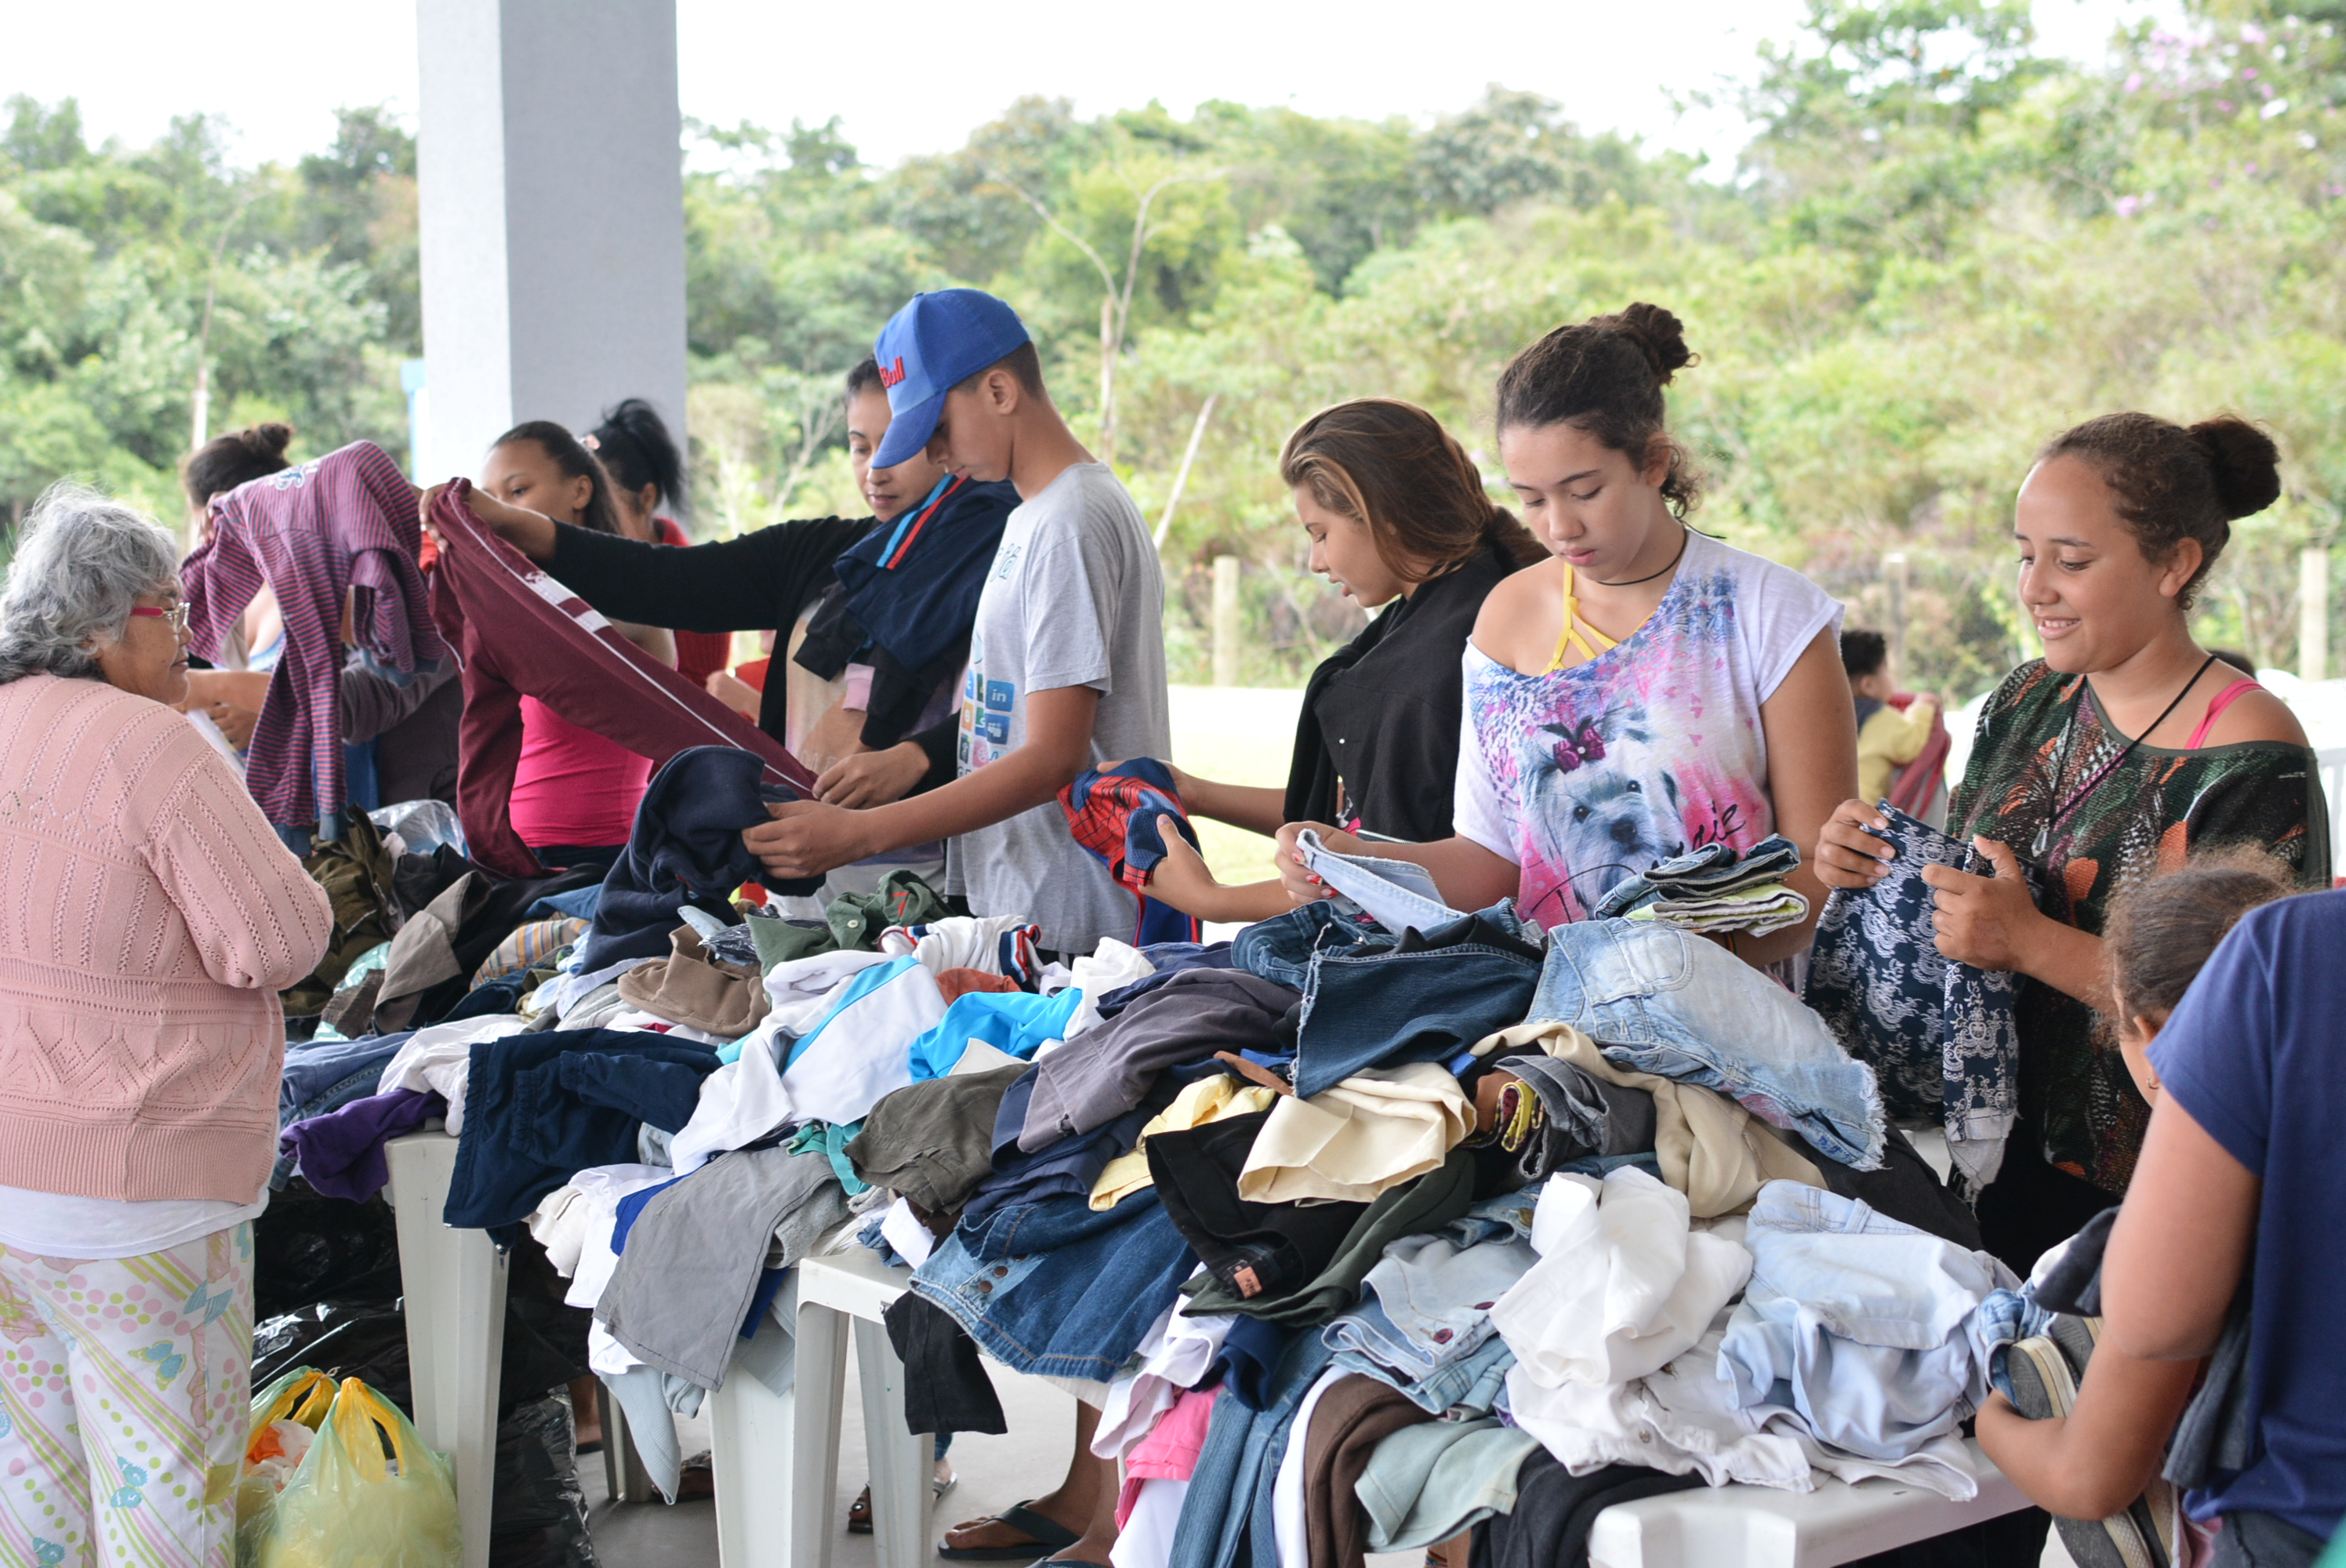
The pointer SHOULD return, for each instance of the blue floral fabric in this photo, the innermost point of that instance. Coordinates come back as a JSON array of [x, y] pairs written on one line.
[[1941, 1035]]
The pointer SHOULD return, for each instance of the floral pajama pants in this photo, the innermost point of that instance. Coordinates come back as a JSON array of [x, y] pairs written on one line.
[[124, 1388]]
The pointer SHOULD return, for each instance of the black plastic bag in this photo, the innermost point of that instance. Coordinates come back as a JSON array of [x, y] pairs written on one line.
[[539, 1517], [307, 1248]]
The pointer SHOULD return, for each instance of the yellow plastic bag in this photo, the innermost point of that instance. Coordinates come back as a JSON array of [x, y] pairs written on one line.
[[285, 1415], [349, 1506]]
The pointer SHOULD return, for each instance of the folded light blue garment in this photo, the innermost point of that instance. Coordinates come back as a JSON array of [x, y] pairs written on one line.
[[1857, 1324], [1399, 895], [1427, 1482]]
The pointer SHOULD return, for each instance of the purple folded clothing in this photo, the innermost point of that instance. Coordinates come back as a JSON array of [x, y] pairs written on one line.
[[341, 1153]]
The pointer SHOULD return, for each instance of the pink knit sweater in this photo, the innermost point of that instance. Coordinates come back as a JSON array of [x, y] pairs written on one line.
[[148, 917]]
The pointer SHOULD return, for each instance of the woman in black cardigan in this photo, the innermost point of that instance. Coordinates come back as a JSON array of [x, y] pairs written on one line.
[[1398, 516]]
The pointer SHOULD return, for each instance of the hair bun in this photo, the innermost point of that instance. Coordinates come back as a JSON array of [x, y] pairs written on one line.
[[267, 440], [1660, 335], [2243, 461]]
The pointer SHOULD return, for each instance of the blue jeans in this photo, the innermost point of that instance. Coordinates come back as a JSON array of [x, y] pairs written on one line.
[[1387, 1006], [1399, 895], [1057, 1290], [1471, 1382], [1665, 1002], [1280, 949], [1227, 1506]]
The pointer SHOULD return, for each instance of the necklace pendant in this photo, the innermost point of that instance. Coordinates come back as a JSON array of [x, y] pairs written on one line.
[[2043, 841]]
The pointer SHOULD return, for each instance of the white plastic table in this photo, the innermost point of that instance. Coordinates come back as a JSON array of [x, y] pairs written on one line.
[[753, 1434], [1759, 1527], [776, 1457], [453, 1282]]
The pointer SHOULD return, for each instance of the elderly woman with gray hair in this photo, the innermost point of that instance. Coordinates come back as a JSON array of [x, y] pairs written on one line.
[[148, 916]]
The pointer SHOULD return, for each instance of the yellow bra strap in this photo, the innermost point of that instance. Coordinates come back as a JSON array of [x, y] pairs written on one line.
[[1576, 632]]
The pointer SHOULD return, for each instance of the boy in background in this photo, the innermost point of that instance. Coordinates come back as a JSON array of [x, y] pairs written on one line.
[[1887, 738]]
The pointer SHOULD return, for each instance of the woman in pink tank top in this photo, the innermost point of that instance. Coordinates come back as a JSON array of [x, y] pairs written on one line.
[[575, 793]]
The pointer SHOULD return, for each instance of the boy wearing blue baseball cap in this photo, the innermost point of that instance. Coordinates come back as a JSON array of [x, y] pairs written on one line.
[[1066, 660]]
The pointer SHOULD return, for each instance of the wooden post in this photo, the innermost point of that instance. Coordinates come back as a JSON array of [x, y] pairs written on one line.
[[2313, 613], [1225, 620], [1893, 575]]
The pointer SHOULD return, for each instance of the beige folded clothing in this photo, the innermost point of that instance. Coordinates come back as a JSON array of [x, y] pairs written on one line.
[[1374, 1130], [690, 988], [1207, 1100], [1710, 1148]]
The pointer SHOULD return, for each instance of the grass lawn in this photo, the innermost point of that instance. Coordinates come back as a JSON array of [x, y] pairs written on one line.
[[1237, 735]]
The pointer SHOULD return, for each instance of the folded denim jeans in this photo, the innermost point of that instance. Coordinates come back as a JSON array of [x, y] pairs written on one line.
[[1472, 1385], [1426, 998], [1281, 948], [1707, 872], [1435, 1298], [1399, 895], [1058, 1289], [1667, 1002]]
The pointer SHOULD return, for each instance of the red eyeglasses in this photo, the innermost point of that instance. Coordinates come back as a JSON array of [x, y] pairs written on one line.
[[176, 615]]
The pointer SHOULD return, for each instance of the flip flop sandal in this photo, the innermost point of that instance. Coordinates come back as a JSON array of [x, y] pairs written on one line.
[[2047, 1372], [1043, 1536]]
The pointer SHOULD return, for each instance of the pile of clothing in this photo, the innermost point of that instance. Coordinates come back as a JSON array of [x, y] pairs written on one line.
[[1359, 1234]]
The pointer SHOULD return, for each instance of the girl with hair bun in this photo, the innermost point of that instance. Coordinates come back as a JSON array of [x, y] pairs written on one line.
[[1398, 517], [2122, 751], [1645, 691]]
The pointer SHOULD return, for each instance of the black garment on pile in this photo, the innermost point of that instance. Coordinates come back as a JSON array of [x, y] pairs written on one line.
[[1255, 1248], [1905, 1188], [686, 849], [1382, 715], [945, 1386], [1555, 1509]]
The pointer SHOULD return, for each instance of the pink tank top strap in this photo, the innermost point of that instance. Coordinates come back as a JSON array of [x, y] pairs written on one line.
[[2224, 699]]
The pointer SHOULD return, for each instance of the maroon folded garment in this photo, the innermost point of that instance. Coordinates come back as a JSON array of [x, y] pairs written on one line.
[[521, 633]]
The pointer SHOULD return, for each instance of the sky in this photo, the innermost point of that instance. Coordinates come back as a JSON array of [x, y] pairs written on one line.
[[135, 64]]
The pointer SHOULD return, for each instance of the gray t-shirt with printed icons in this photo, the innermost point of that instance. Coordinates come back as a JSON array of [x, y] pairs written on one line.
[[1073, 598]]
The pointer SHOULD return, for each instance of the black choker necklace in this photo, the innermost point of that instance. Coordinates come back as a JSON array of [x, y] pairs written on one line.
[[1684, 534]]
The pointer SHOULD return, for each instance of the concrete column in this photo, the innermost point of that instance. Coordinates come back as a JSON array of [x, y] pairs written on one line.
[[552, 190]]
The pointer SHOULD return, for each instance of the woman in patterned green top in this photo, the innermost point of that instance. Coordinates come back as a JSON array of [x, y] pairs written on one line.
[[2123, 748]]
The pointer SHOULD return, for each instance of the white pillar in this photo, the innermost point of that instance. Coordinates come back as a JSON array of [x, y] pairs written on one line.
[[552, 195], [2313, 614]]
